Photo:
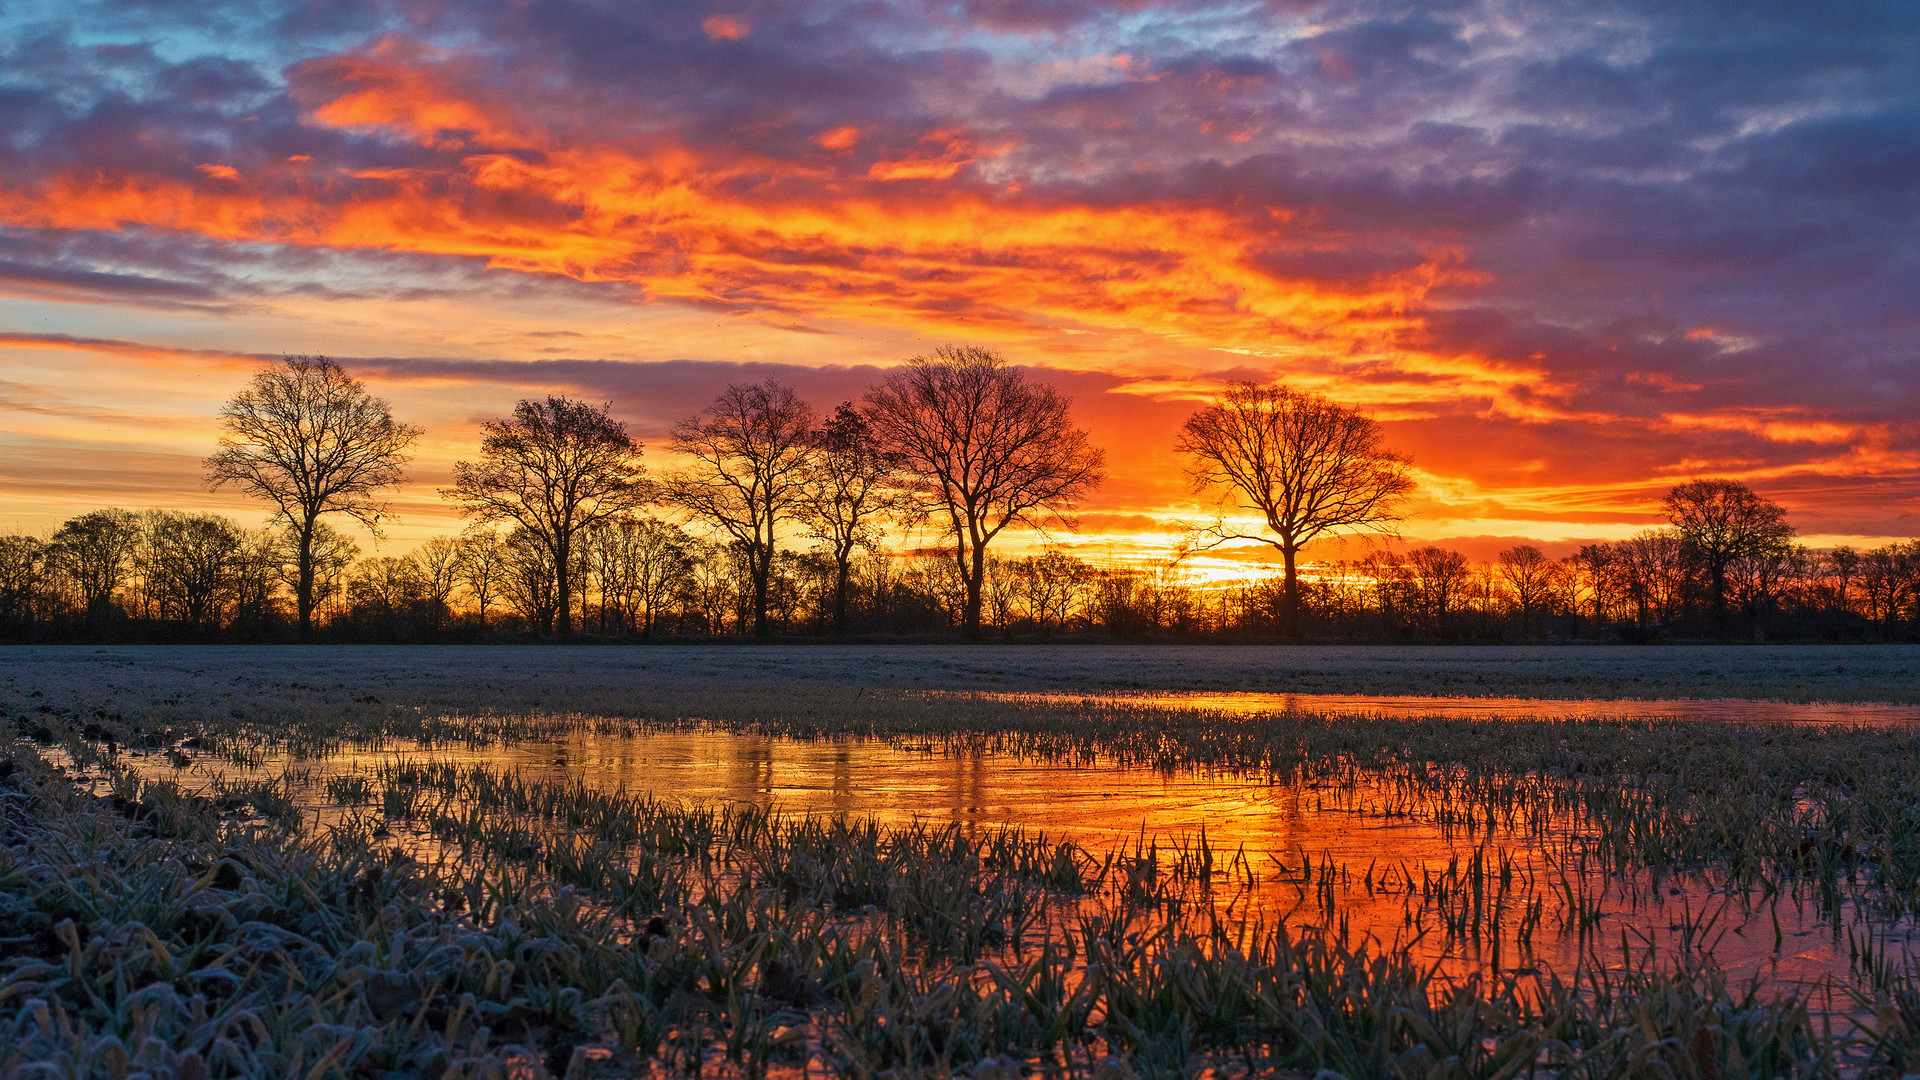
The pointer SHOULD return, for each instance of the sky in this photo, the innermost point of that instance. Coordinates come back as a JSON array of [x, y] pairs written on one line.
[[1569, 254]]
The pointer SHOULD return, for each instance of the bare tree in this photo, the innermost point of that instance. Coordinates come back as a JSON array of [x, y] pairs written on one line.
[[1534, 579], [1653, 564], [95, 552], [23, 561], [482, 567], [996, 603], [387, 594], [1839, 569], [641, 563], [1438, 576], [531, 583], [330, 553], [1051, 587], [1599, 567], [1888, 581], [1390, 580], [439, 559], [1721, 521], [933, 574], [256, 580], [710, 585], [194, 564], [554, 468], [750, 453], [663, 557], [1760, 582], [987, 447], [310, 439], [852, 485], [1308, 466]]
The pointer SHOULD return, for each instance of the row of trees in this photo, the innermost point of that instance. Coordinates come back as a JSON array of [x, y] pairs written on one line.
[[194, 570], [569, 527], [959, 439], [167, 574]]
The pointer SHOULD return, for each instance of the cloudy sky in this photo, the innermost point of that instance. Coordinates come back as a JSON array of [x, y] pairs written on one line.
[[1570, 253]]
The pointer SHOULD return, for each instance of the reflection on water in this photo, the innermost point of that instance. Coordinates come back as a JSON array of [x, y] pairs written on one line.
[[1470, 896], [900, 783], [1402, 706]]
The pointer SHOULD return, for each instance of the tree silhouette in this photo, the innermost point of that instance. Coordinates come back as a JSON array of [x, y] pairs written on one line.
[[439, 560], [94, 552], [330, 555], [1050, 587], [554, 468], [1534, 579], [480, 568], [1721, 521], [1308, 466], [310, 439], [641, 563], [23, 561], [749, 454], [986, 448], [851, 485], [1439, 577], [193, 564]]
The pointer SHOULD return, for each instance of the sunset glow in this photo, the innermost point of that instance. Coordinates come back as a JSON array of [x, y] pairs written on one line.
[[1569, 257]]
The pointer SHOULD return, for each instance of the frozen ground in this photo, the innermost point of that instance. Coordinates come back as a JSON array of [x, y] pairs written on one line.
[[585, 678]]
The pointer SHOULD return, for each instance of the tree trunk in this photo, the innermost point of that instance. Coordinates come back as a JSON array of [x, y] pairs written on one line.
[[1289, 554], [976, 577], [1718, 574], [303, 577], [562, 561], [762, 580], [841, 569]]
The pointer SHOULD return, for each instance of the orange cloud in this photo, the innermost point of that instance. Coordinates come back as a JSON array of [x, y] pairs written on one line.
[[1775, 426], [726, 27], [744, 231], [937, 155], [842, 138], [131, 350], [405, 89]]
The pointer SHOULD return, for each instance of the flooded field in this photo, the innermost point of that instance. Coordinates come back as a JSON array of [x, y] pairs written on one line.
[[1724, 710], [611, 680], [810, 879], [1449, 878]]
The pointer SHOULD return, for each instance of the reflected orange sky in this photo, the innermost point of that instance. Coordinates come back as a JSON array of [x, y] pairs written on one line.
[[467, 207]]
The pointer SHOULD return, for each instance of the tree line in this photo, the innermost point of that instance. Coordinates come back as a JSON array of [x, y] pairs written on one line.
[[172, 575], [775, 521]]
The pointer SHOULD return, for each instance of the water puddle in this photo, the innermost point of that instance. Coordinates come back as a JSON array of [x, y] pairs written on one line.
[[1414, 706], [1368, 855]]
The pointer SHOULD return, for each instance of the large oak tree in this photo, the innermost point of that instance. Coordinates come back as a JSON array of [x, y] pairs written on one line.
[[555, 468], [987, 447], [852, 485], [1721, 521], [308, 438], [747, 460], [1307, 466]]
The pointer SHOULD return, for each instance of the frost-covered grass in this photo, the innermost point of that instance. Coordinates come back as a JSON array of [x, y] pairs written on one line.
[[615, 680], [428, 919], [560, 931]]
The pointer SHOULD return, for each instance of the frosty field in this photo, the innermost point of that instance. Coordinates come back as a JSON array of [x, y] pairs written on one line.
[[584, 678], [992, 862]]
